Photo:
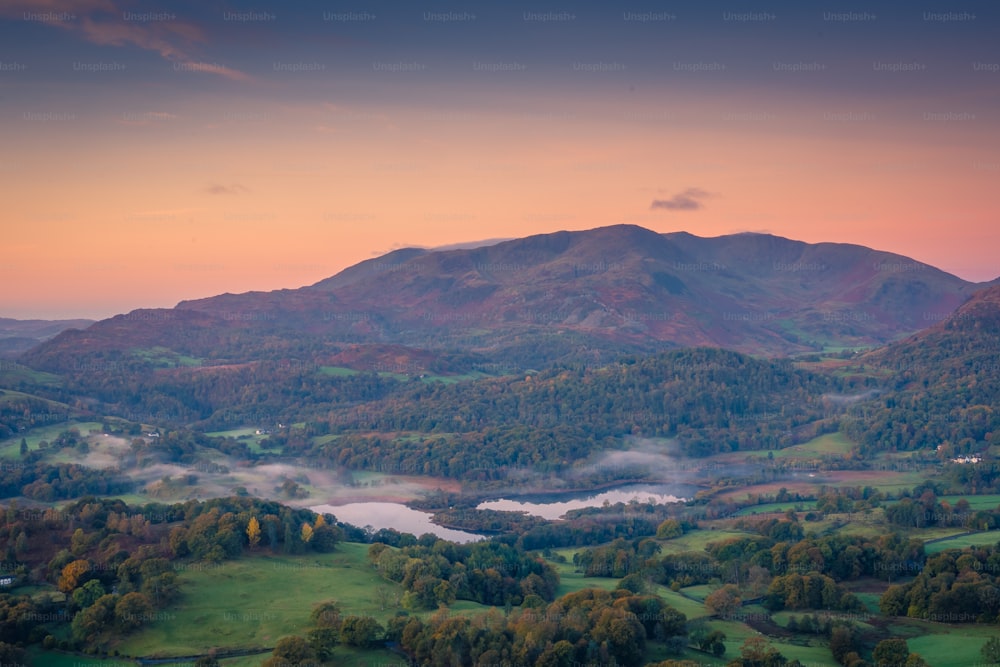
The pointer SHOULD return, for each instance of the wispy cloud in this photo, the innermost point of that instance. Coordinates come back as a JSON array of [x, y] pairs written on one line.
[[235, 189], [100, 22], [214, 68], [688, 200]]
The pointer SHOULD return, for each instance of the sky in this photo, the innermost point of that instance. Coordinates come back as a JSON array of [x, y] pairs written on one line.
[[151, 155]]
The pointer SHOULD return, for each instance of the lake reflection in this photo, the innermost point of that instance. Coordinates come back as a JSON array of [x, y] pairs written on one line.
[[549, 508], [393, 515]]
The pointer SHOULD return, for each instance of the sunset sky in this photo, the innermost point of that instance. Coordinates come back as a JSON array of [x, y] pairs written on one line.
[[149, 155]]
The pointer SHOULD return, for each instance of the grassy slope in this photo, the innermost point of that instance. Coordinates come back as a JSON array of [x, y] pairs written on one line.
[[11, 447], [257, 600]]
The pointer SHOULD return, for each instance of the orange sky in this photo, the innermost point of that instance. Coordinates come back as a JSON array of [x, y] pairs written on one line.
[[129, 195]]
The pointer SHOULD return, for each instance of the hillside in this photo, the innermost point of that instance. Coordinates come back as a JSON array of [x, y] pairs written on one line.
[[569, 295], [17, 336], [945, 384]]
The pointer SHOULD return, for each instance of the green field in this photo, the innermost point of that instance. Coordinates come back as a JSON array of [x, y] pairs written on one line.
[[947, 645], [257, 600], [697, 540], [984, 502], [337, 371], [246, 434], [960, 542], [11, 447], [571, 581], [679, 601], [766, 508], [830, 444], [254, 601], [12, 375]]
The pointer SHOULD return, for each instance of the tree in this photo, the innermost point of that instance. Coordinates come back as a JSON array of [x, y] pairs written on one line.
[[755, 652], [24, 447], [253, 532], [326, 615], [12, 655], [360, 631], [325, 538], [307, 532], [95, 619], [21, 544], [132, 610], [991, 650], [841, 643], [72, 574], [723, 602], [293, 651], [891, 653], [668, 529], [88, 594], [634, 582]]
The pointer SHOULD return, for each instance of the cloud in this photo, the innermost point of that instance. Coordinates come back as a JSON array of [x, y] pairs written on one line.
[[234, 189], [688, 200], [213, 68], [100, 23]]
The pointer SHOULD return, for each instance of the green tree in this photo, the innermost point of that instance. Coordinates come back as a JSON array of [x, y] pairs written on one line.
[[991, 650], [24, 447], [88, 594], [890, 653], [293, 651], [360, 631], [326, 615], [132, 611], [325, 538], [95, 619], [668, 529]]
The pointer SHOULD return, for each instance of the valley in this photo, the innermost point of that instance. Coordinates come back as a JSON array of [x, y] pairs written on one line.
[[244, 490]]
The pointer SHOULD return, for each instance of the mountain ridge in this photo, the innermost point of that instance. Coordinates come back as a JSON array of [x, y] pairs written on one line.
[[620, 288]]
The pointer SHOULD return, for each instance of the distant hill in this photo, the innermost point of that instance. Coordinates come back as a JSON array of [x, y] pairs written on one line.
[[591, 294], [946, 384], [17, 336]]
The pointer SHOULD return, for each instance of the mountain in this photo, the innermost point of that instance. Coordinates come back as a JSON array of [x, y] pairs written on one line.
[[583, 294], [17, 336]]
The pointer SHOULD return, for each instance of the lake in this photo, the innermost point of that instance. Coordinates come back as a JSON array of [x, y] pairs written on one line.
[[548, 506], [554, 506], [393, 515]]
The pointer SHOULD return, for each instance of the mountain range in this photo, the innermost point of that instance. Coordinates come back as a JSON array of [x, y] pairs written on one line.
[[609, 290], [17, 336]]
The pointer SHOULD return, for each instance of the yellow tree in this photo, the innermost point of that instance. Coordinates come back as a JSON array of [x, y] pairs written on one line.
[[307, 532], [253, 532], [320, 522], [71, 574]]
